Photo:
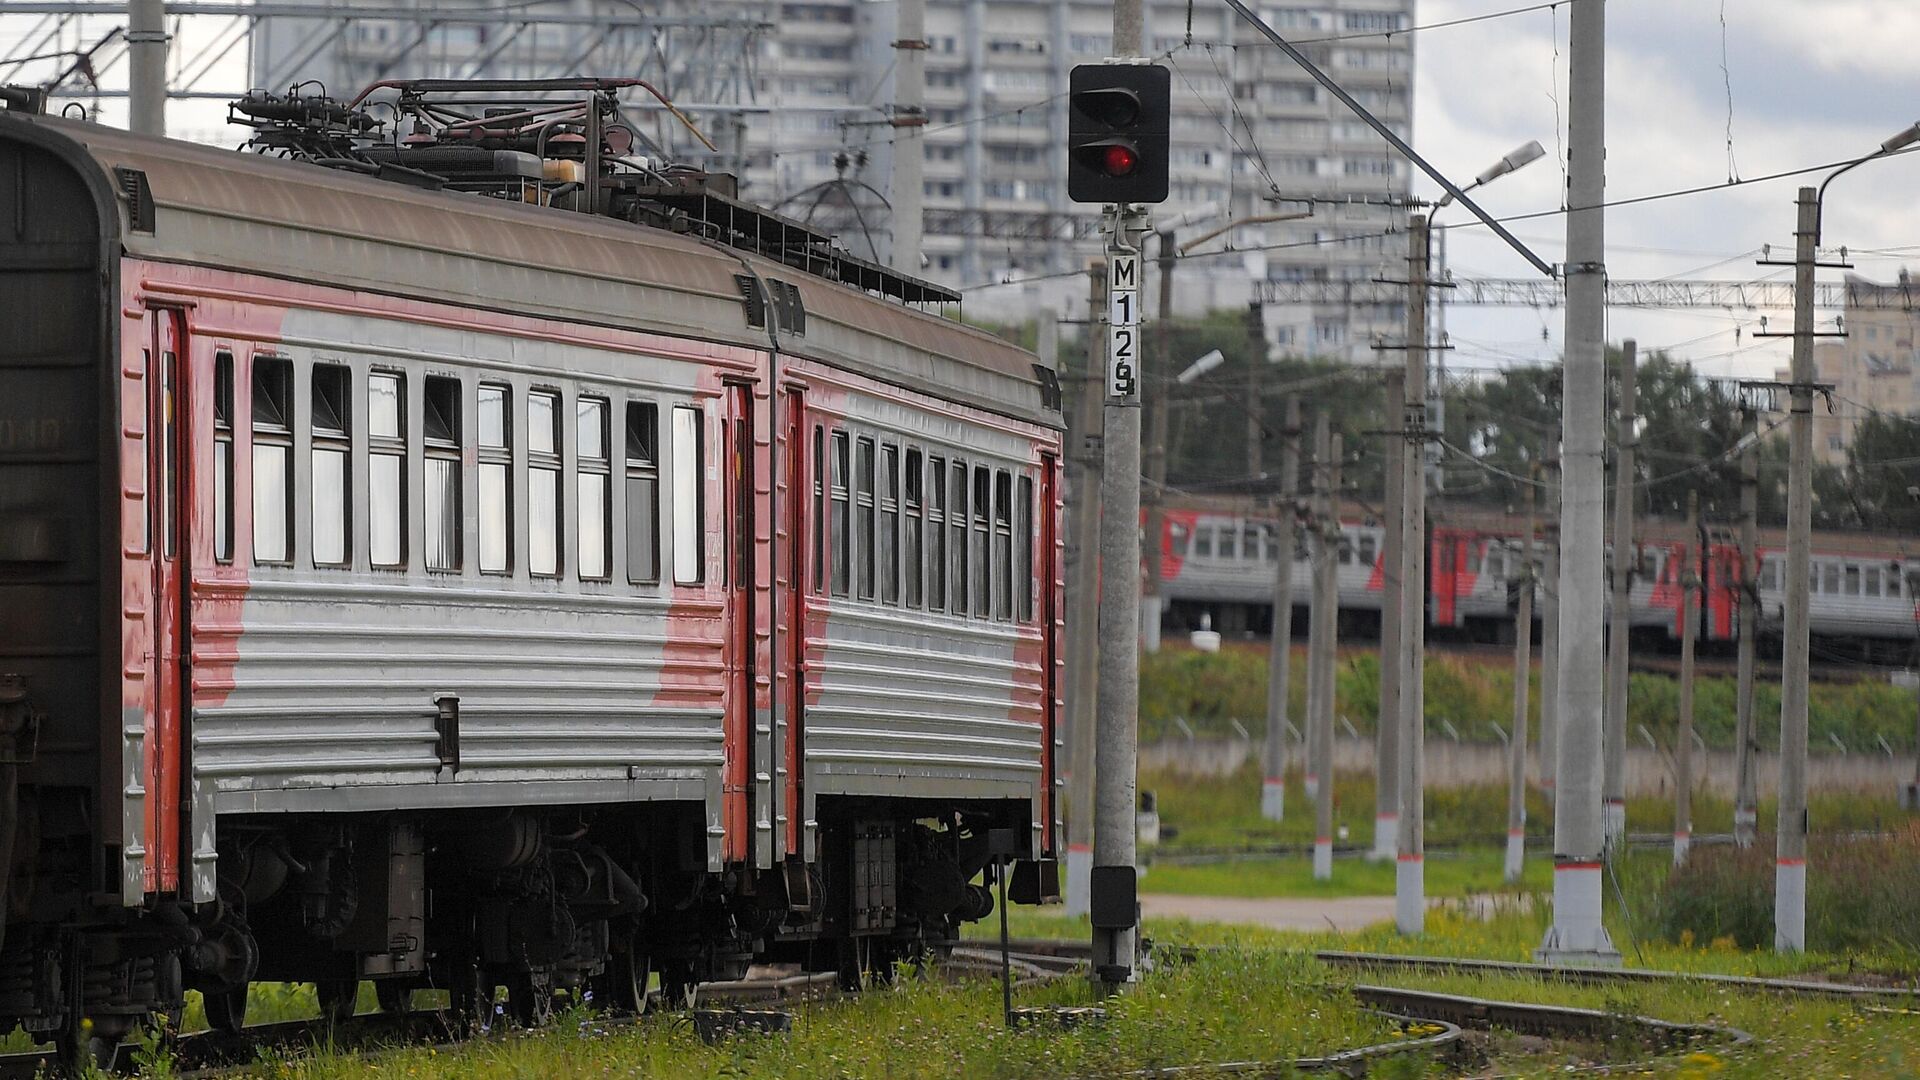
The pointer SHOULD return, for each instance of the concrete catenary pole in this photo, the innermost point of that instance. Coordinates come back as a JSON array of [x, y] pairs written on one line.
[[1316, 621], [1689, 633], [1324, 636], [1116, 754], [1746, 808], [1410, 880], [1386, 735], [1619, 630], [1548, 592], [1522, 670], [147, 66], [909, 122], [1273, 788], [1790, 864], [1158, 405], [1579, 834], [1256, 378], [1083, 616]]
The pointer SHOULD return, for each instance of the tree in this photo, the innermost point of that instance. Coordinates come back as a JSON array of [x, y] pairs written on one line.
[[1881, 485]]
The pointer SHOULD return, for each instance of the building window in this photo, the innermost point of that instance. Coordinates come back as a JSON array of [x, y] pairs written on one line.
[[442, 430], [495, 415], [910, 553], [936, 534], [272, 460], [889, 538], [594, 483], [863, 517], [957, 537], [331, 484], [643, 492], [386, 469], [838, 527], [543, 483], [223, 457], [689, 497], [1023, 577]]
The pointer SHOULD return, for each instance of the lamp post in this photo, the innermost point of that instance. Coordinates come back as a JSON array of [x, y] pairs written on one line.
[[1790, 867]]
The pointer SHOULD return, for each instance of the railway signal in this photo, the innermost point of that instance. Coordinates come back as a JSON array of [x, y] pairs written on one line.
[[1118, 119]]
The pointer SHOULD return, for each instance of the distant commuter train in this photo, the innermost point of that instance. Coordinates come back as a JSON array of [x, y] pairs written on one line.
[[1218, 561]]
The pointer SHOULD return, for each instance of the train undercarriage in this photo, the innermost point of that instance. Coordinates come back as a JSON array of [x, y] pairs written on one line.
[[506, 911]]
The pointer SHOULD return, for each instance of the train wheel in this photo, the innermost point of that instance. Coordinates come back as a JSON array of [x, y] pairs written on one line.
[[622, 987], [530, 1000], [676, 984], [396, 996], [470, 1000], [865, 962], [227, 1009], [339, 999]]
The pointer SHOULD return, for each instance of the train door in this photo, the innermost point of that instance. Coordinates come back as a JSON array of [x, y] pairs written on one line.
[[750, 701], [801, 467], [166, 449], [1047, 570]]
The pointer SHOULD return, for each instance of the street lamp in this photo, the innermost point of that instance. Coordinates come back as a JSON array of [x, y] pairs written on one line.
[[1790, 867], [1257, 219], [1513, 162]]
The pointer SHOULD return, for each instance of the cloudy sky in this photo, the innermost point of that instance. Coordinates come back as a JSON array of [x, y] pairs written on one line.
[[1811, 81]]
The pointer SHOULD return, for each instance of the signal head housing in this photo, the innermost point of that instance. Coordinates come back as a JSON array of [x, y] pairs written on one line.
[[1119, 116]]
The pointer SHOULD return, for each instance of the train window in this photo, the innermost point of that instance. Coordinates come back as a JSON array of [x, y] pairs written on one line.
[[982, 556], [441, 426], [1831, 579], [1870, 585], [495, 456], [1250, 542], [330, 490], [889, 553], [643, 492], [936, 534], [863, 527], [1770, 574], [1269, 544], [1023, 582], [1850, 576], [169, 454], [1226, 541], [594, 482], [543, 483], [957, 536], [272, 460], [819, 509], [689, 497], [223, 456], [839, 523], [1002, 545], [915, 477], [1178, 539], [1369, 550], [1203, 541], [386, 469], [1343, 545]]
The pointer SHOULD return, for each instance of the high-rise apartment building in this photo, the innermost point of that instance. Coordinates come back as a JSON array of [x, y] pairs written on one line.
[[1875, 369], [800, 96]]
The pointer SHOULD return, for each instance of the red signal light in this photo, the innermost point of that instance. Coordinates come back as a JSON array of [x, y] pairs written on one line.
[[1119, 160]]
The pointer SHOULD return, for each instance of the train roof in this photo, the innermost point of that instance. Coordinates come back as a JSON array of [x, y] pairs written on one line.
[[303, 222]]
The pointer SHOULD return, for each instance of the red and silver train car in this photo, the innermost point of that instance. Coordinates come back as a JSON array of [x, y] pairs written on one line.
[[413, 586], [1217, 560]]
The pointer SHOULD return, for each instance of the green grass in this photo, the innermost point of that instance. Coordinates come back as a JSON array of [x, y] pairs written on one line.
[[1268, 1005], [1473, 870]]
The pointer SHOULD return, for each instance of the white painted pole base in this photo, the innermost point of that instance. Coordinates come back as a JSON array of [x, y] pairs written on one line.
[[1079, 880], [1313, 787], [1516, 853], [1273, 799], [1790, 905], [1386, 837], [1323, 859], [1616, 823], [1150, 623], [1577, 937], [1681, 843], [1410, 895], [1746, 826]]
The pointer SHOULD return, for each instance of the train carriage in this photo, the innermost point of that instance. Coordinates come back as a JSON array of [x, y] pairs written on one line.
[[429, 588]]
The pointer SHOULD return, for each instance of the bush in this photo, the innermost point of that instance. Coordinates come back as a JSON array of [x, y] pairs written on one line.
[[1862, 894]]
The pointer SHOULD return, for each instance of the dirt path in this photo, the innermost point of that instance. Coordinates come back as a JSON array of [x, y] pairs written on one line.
[[1343, 913]]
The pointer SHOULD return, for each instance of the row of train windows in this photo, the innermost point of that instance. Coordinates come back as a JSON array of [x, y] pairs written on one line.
[[1256, 543], [891, 523], [440, 450], [1837, 579]]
